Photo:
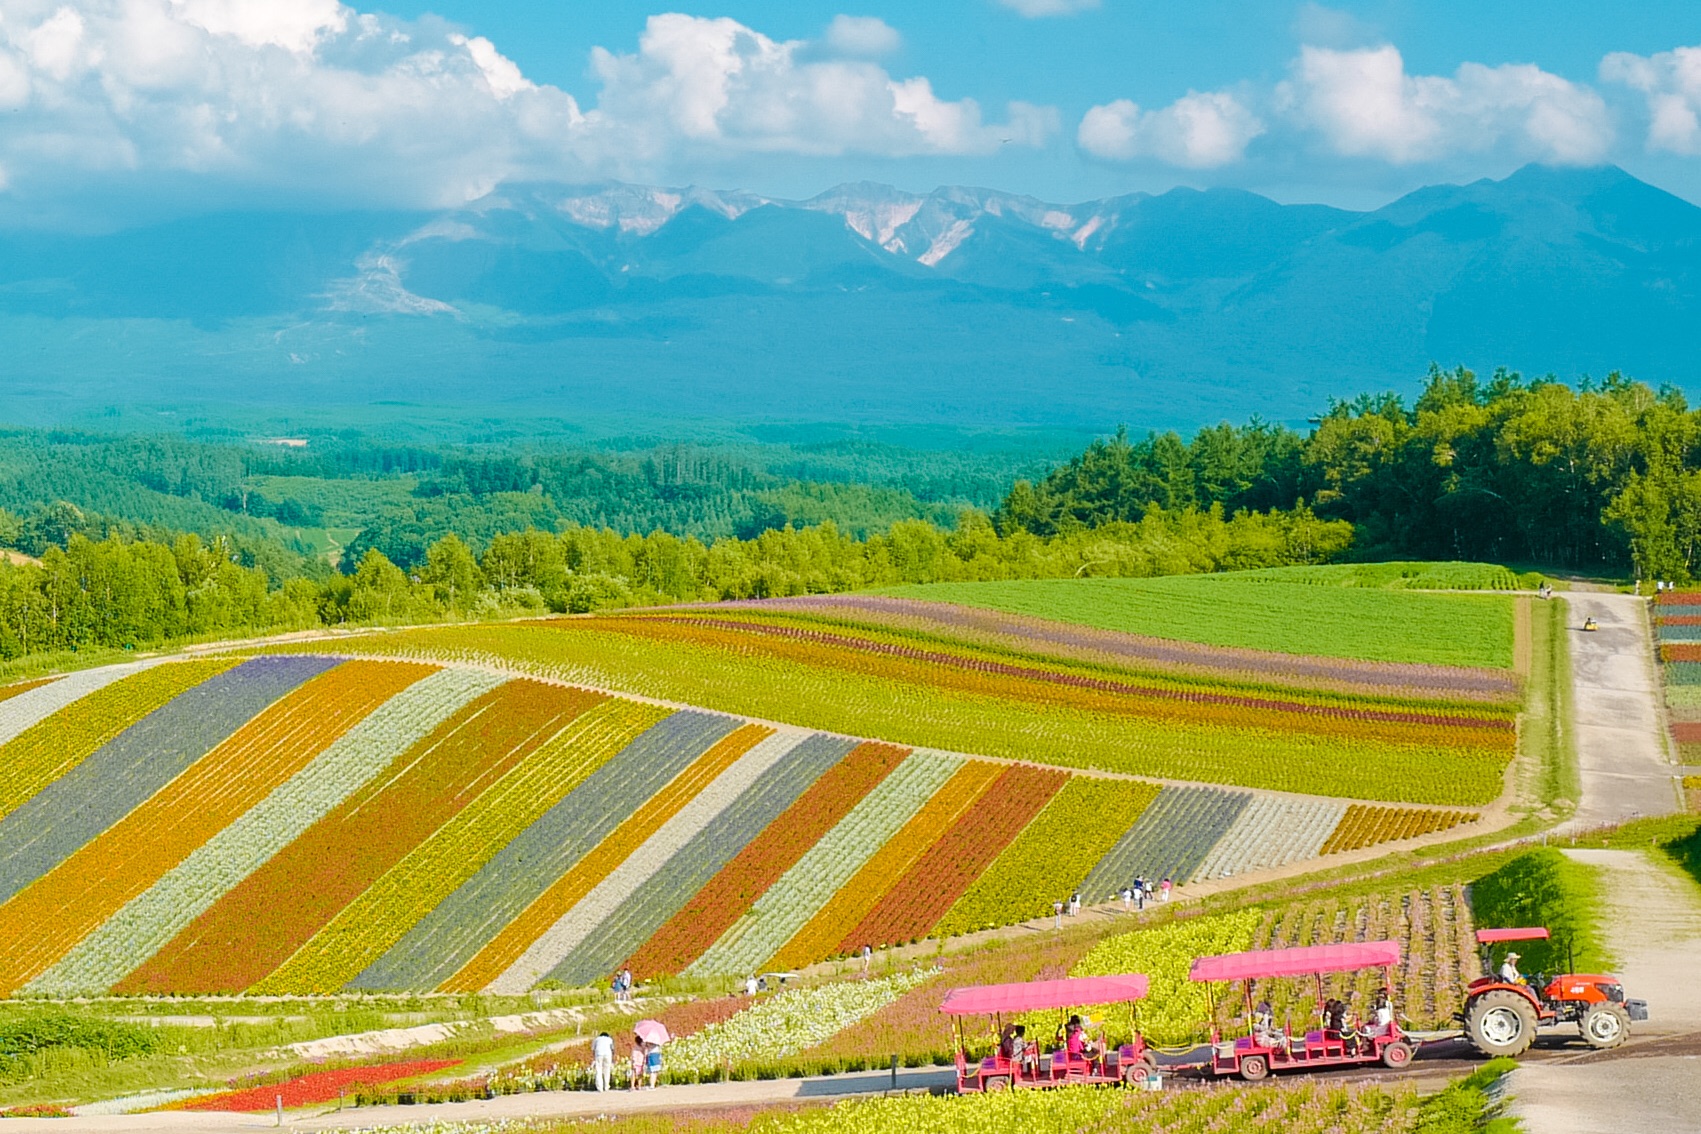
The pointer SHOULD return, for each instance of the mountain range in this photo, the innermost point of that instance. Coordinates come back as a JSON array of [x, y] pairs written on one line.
[[965, 307]]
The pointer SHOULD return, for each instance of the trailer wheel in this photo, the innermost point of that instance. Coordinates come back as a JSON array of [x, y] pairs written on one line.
[[997, 1083], [1254, 1067], [1136, 1073], [1501, 1022], [1397, 1056], [1604, 1026]]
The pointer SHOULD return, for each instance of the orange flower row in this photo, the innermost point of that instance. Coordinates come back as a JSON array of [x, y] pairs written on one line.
[[45, 920], [824, 933], [731, 892], [517, 936], [1366, 826], [274, 911], [932, 886], [1491, 735]]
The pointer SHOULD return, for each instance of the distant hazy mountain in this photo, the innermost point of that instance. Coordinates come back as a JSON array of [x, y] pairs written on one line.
[[965, 306]]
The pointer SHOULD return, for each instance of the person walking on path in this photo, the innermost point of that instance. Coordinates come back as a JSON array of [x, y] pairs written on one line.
[[602, 1059], [1127, 899], [637, 1065], [1166, 888], [626, 984], [1074, 903], [867, 957], [1057, 908], [652, 1062]]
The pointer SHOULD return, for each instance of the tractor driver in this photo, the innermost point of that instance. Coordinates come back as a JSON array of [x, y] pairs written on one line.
[[1509, 969]]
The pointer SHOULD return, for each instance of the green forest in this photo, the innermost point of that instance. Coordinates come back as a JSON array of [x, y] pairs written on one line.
[[127, 542]]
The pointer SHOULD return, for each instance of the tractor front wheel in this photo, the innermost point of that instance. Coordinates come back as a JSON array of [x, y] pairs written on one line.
[[1501, 1022], [1254, 1068], [1605, 1025]]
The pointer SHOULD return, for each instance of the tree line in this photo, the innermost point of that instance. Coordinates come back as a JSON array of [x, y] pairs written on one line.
[[127, 593], [1598, 477]]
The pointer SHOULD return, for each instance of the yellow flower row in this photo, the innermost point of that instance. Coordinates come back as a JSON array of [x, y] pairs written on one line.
[[517, 936], [378, 918], [854, 901], [53, 746]]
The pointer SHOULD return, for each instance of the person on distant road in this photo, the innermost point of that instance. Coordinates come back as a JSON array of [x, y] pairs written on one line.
[[602, 1059]]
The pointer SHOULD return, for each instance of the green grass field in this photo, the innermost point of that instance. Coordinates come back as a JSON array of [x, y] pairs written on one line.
[[1264, 611]]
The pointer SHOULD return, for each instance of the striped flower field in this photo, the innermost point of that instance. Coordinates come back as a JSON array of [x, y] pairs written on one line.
[[293, 823]]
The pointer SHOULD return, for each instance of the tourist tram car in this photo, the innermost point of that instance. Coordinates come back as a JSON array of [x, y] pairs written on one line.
[[1129, 1063], [1265, 1047]]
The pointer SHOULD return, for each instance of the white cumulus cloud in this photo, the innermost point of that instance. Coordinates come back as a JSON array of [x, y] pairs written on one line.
[[715, 83], [1363, 103], [1198, 130], [863, 35], [1035, 9], [313, 98], [1669, 80]]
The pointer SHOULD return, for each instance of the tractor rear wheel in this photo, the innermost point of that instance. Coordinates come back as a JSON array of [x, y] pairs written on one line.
[[1501, 1022], [998, 1083], [1605, 1025], [1254, 1067]]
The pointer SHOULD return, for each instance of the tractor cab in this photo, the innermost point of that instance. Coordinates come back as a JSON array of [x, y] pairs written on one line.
[[1504, 1008]]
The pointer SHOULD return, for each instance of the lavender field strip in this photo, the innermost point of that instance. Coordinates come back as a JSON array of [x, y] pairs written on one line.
[[659, 897], [546, 953], [1032, 631], [153, 918], [799, 893], [468, 918], [1449, 766], [104, 788], [1169, 840], [1273, 831], [579, 741], [42, 752]]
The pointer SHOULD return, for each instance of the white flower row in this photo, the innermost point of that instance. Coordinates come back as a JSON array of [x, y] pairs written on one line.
[[793, 1021], [799, 894], [1272, 831], [158, 914], [34, 705], [366, 928], [590, 911]]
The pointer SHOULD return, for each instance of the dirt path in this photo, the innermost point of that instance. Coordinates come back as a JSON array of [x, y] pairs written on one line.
[[1621, 750], [1653, 927], [547, 1104]]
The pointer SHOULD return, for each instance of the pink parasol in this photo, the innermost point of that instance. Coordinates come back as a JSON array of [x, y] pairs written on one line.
[[651, 1031]]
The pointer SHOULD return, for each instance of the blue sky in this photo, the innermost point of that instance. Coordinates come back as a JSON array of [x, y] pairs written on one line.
[[174, 105]]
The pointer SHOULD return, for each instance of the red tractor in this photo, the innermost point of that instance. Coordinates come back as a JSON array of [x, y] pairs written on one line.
[[1502, 1015]]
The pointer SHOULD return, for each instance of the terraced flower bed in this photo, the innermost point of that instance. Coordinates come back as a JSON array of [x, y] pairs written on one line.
[[297, 823]]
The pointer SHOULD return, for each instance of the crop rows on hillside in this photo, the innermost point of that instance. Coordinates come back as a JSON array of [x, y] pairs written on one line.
[[926, 688], [297, 823]]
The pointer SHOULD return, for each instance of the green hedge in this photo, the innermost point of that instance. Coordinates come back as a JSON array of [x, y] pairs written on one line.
[[1544, 887]]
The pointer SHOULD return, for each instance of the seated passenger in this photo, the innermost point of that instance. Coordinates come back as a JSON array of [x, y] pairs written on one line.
[[1009, 1045], [1381, 1015], [1334, 1018]]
